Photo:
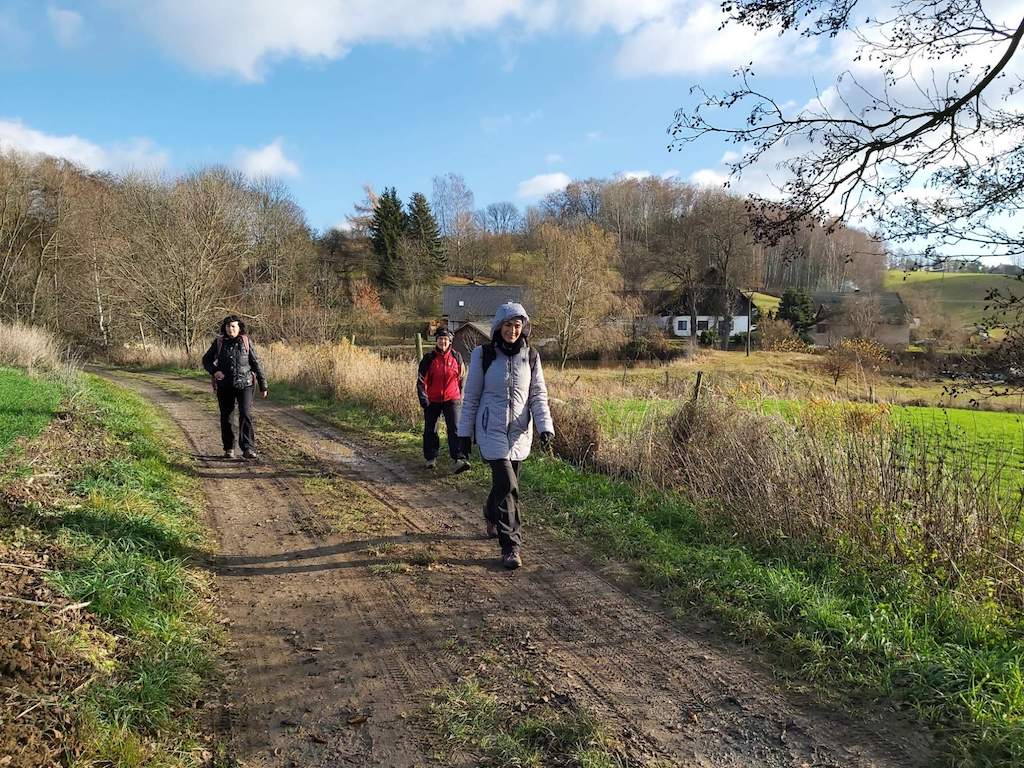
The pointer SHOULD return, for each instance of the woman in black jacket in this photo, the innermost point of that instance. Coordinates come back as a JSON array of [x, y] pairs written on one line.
[[232, 362]]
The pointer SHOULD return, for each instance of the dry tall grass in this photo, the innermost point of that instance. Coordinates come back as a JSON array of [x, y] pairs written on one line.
[[850, 478], [348, 372], [35, 349], [150, 356]]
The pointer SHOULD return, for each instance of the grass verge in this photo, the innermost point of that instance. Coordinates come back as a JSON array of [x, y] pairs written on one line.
[[26, 405], [112, 498]]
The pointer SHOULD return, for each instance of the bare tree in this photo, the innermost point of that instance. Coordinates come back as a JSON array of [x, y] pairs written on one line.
[[361, 217], [573, 291], [718, 228], [452, 202], [938, 112], [182, 245], [863, 314], [502, 218], [18, 227]]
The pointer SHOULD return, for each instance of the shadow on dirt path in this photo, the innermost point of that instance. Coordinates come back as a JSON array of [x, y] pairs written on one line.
[[339, 634]]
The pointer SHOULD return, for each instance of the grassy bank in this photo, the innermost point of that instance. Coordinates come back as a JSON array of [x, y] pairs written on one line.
[[102, 509], [26, 405], [873, 631]]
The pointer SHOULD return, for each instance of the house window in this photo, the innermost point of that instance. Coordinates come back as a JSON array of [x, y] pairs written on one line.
[[703, 325], [682, 324], [462, 303]]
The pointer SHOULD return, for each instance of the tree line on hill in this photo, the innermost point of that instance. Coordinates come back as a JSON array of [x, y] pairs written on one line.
[[106, 259]]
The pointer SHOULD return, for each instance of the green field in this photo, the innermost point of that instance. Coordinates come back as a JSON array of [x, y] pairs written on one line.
[[26, 405], [959, 294]]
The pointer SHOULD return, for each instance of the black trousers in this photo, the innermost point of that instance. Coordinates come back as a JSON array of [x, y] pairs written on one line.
[[227, 397], [503, 503], [431, 441]]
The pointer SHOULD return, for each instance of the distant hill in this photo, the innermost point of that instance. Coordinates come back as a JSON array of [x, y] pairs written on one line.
[[959, 294]]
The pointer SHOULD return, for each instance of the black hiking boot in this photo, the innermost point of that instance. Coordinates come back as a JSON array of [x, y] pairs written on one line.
[[249, 453], [461, 465]]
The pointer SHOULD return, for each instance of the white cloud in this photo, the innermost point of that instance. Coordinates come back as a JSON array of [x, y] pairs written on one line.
[[693, 43], [595, 135], [622, 17], [634, 175], [708, 177], [493, 124], [553, 158], [245, 38], [267, 161], [542, 184], [66, 25], [141, 154], [223, 37]]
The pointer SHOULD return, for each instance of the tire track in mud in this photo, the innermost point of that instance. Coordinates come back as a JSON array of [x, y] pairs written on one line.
[[683, 697]]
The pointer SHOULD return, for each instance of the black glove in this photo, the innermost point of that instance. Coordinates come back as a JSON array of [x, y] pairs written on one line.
[[547, 440]]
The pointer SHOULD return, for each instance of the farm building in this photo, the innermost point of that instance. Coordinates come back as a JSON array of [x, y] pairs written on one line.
[[477, 303], [881, 316], [470, 336]]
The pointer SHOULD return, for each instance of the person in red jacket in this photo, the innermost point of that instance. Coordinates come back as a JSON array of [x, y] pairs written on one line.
[[439, 388]]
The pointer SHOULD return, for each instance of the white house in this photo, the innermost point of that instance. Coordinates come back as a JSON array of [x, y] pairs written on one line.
[[679, 325], [676, 320]]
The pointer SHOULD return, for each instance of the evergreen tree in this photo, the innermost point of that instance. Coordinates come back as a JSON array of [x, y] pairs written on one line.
[[386, 230], [797, 308], [424, 234]]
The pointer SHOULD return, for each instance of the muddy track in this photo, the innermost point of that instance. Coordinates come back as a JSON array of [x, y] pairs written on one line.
[[335, 656]]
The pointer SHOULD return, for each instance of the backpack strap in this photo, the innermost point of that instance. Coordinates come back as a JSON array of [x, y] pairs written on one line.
[[488, 355]]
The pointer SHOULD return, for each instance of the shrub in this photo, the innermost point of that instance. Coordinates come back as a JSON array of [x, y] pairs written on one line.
[[708, 338], [861, 355], [854, 479], [778, 336], [577, 432]]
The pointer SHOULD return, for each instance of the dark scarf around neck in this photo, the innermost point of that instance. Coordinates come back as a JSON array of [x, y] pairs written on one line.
[[509, 349]]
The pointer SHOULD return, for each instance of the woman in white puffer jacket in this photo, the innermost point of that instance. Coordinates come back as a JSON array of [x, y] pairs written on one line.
[[504, 396]]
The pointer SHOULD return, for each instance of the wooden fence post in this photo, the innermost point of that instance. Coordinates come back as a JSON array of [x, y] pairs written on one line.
[[419, 346], [696, 386]]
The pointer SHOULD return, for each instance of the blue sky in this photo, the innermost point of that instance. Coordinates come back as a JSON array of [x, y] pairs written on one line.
[[515, 95]]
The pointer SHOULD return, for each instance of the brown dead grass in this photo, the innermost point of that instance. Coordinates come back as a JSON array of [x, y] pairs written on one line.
[[33, 349]]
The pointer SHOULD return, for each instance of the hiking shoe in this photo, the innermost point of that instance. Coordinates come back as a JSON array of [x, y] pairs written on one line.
[[461, 465], [249, 453], [229, 453], [492, 530], [512, 560], [431, 463]]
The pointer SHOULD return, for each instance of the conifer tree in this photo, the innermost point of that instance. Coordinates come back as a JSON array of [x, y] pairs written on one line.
[[386, 231], [425, 237]]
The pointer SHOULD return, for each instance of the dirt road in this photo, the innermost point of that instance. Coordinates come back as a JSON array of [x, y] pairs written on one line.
[[350, 581]]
